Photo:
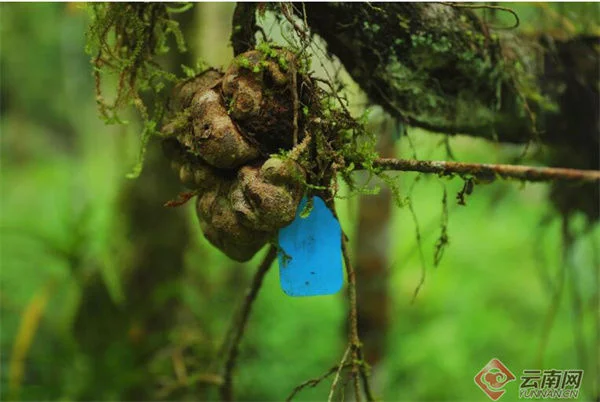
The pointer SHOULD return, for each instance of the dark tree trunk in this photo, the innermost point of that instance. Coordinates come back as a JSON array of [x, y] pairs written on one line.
[[122, 339], [128, 335]]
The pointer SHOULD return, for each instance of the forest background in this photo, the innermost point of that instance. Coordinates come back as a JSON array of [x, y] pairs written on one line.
[[81, 300]]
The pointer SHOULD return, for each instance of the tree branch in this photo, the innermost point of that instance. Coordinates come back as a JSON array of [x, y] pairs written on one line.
[[352, 317], [313, 382], [238, 325], [337, 374], [359, 366], [440, 66], [243, 27], [487, 171]]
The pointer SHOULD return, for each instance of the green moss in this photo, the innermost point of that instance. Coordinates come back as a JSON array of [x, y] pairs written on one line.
[[243, 62], [125, 39], [267, 48], [199, 68]]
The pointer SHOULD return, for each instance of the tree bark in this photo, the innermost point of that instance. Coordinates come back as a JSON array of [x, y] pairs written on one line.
[[440, 67], [243, 27]]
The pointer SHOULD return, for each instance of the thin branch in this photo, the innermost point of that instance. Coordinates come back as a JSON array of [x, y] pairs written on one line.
[[359, 366], [315, 381], [420, 247], [238, 325], [286, 11], [295, 101], [442, 241], [488, 7], [337, 374], [353, 317], [487, 171]]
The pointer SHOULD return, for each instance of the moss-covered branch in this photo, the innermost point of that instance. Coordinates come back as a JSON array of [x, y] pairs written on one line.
[[439, 66], [487, 171]]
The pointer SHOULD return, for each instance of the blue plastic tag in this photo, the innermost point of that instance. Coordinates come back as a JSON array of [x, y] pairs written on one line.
[[310, 252]]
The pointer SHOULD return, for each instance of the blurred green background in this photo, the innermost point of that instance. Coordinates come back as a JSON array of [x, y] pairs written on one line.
[[105, 294]]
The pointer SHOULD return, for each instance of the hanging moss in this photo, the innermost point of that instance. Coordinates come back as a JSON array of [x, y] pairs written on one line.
[[125, 40]]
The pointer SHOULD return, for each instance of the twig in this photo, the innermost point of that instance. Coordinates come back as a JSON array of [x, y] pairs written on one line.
[[353, 317], [421, 254], [442, 241], [299, 149], [359, 367], [486, 171], [238, 325], [315, 381], [295, 101], [286, 12], [488, 7], [337, 374]]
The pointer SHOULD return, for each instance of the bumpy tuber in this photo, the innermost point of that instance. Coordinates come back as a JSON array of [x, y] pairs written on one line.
[[221, 137]]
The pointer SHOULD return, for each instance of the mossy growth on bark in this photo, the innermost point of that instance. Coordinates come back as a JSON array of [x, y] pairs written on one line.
[[439, 66], [445, 68]]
